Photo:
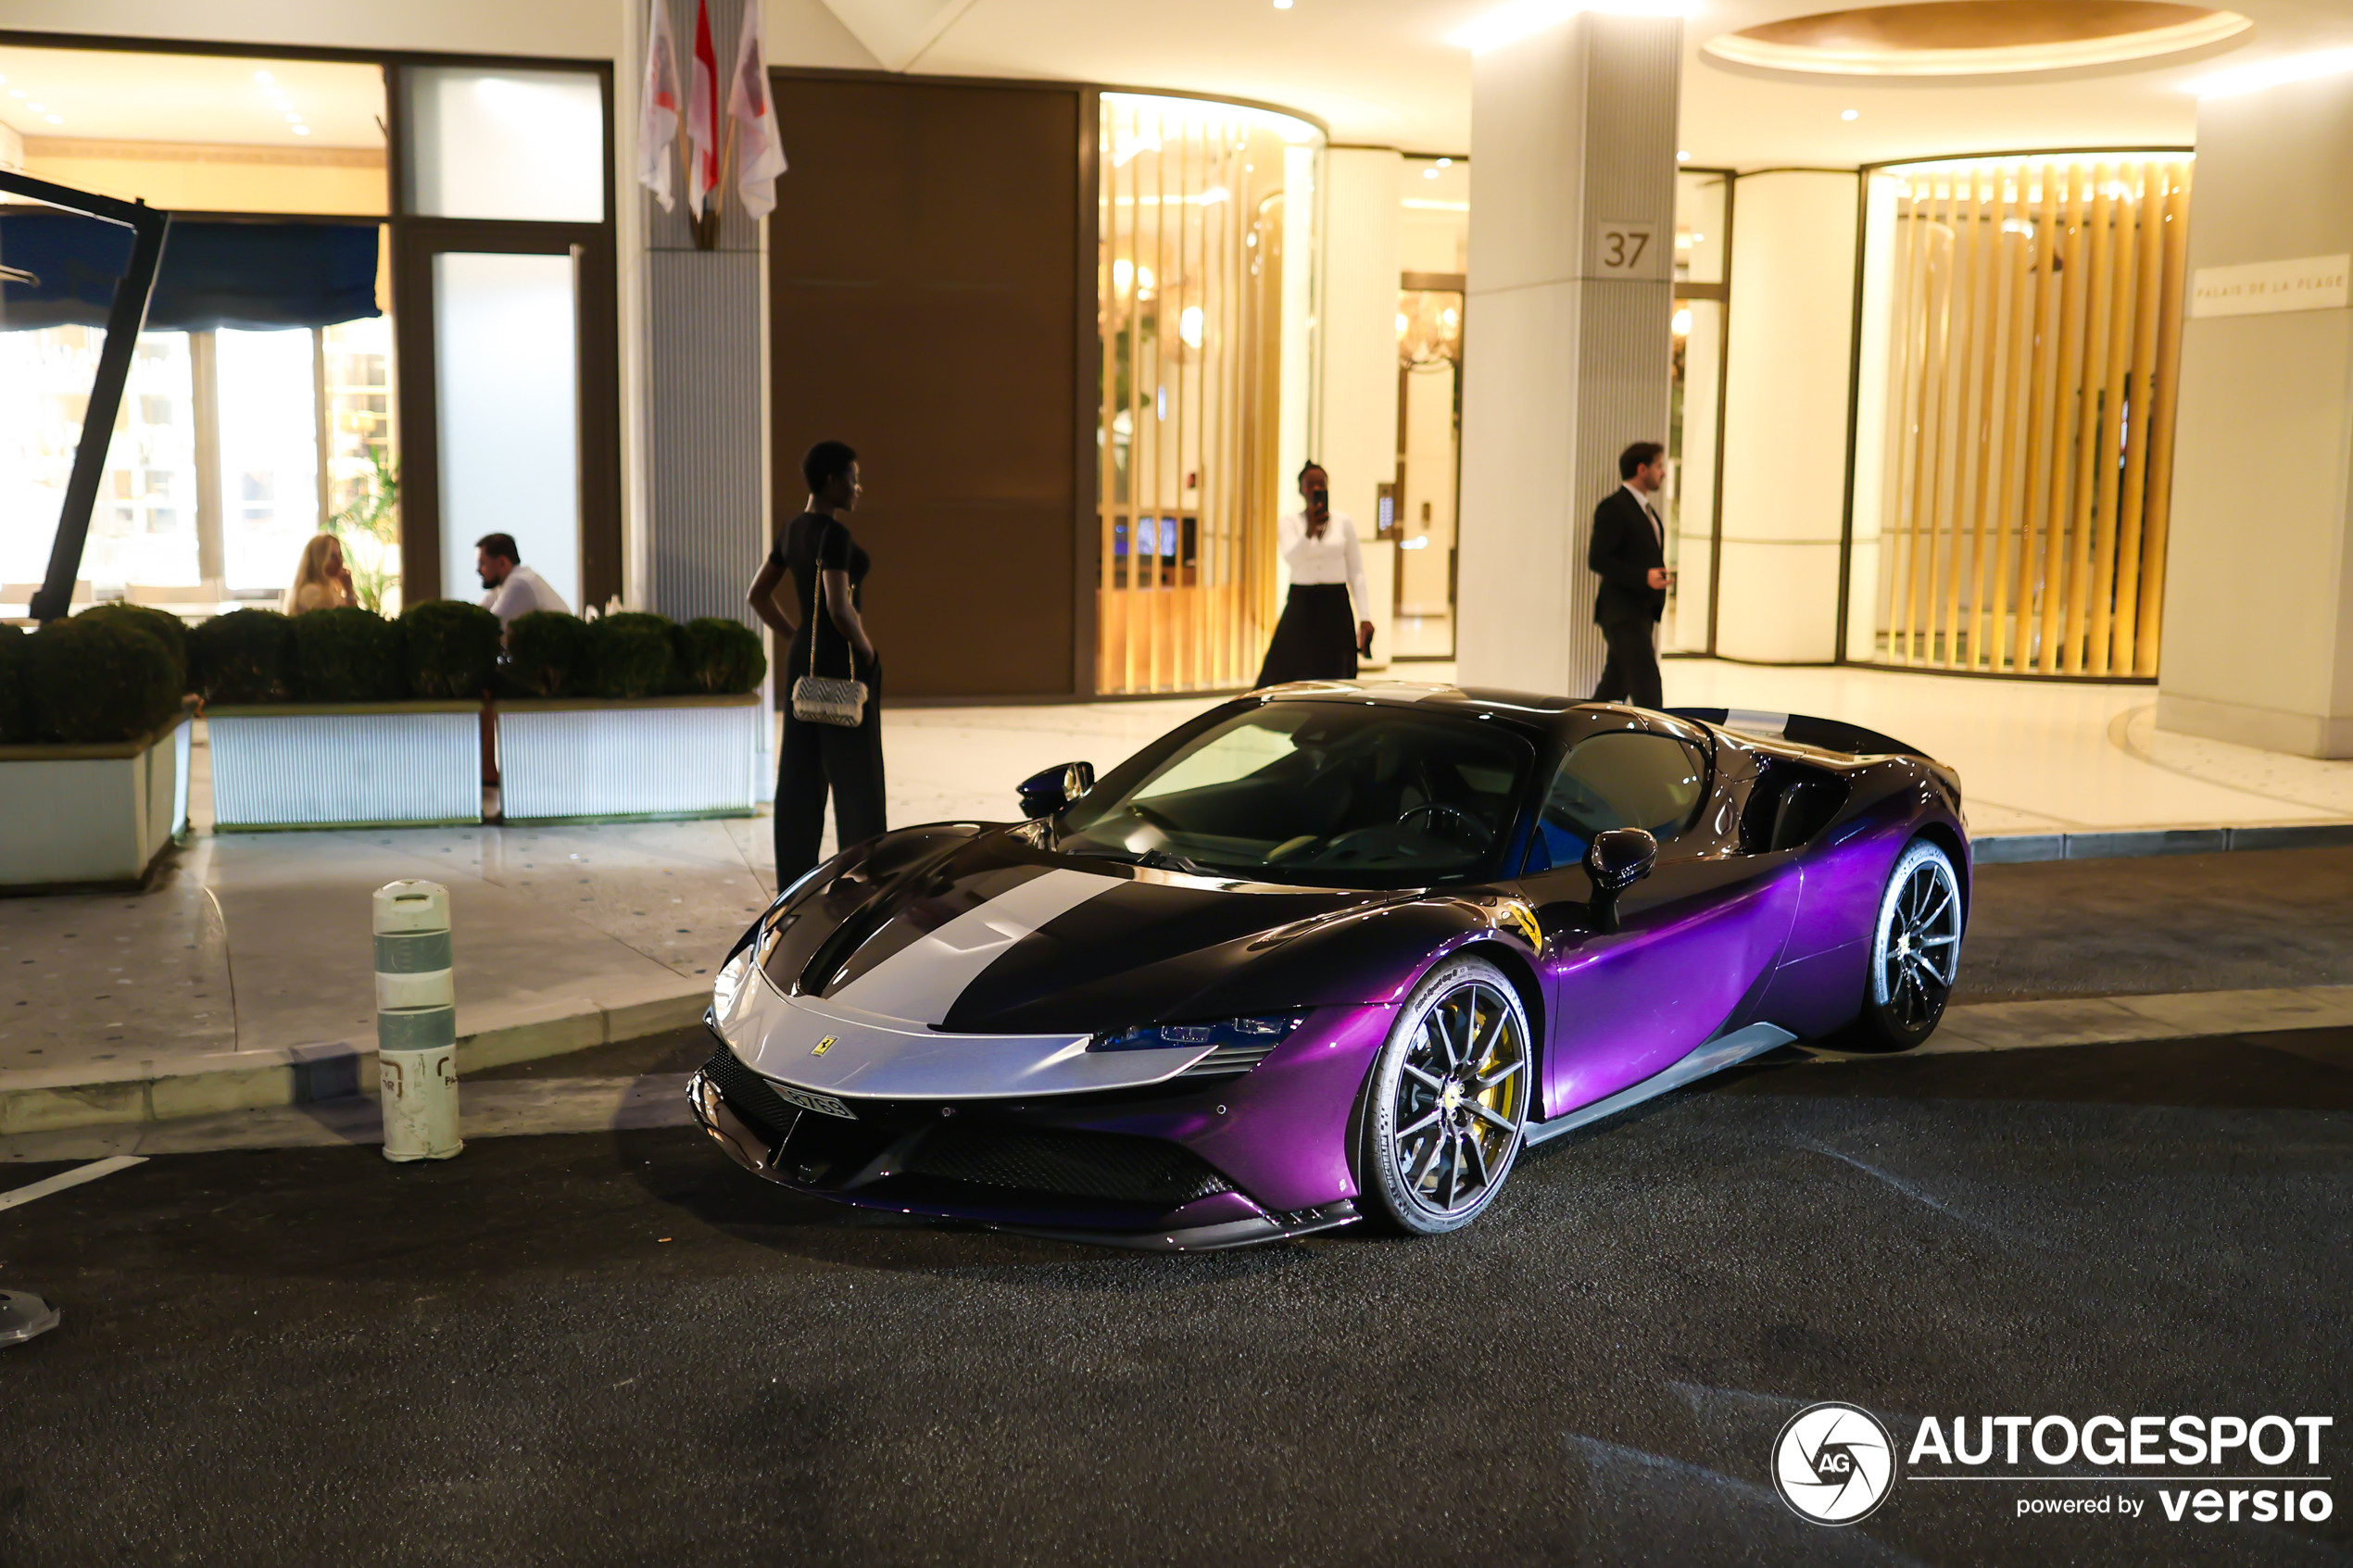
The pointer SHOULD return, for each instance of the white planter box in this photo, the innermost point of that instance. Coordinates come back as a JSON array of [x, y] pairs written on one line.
[[79, 816], [660, 757], [373, 764]]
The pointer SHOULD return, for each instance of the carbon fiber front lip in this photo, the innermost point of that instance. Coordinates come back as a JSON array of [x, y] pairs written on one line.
[[748, 1149]]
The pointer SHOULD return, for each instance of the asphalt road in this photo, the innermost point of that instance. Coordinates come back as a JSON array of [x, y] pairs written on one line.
[[616, 1348]]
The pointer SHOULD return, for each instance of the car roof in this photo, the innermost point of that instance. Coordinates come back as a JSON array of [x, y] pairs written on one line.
[[1546, 714]]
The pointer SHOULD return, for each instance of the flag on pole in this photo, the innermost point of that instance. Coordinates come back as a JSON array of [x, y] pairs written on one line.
[[702, 115], [658, 108], [759, 152]]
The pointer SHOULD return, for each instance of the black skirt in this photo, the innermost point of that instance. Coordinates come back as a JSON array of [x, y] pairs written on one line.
[[1315, 640]]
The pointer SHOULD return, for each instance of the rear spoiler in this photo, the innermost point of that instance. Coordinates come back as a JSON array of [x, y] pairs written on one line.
[[1826, 734]]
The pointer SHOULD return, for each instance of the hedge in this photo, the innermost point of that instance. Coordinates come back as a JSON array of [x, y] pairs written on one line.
[[245, 656], [16, 717], [452, 648], [347, 655], [719, 657], [630, 656], [95, 679], [161, 625], [548, 655]]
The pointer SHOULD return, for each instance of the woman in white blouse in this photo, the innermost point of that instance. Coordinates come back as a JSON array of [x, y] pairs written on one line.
[[1317, 638]]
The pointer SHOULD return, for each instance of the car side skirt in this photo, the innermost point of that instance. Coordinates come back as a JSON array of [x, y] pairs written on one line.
[[1725, 1050]]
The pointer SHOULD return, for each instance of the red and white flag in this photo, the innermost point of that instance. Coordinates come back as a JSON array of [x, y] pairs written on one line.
[[759, 153], [658, 108], [702, 115]]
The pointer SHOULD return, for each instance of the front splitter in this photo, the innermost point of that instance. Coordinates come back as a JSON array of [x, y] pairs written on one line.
[[749, 1149]]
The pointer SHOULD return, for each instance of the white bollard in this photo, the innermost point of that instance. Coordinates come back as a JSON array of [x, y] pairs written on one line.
[[416, 1022]]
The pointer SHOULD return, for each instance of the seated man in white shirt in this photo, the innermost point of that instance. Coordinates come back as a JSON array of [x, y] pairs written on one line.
[[514, 588]]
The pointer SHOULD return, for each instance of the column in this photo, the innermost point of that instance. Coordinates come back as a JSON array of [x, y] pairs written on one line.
[[1786, 384], [1359, 369], [2257, 637], [1565, 330]]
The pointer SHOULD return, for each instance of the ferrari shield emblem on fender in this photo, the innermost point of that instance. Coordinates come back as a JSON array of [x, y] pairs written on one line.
[[823, 1046]]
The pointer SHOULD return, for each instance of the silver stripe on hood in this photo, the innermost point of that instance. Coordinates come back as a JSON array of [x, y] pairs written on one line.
[[921, 982]]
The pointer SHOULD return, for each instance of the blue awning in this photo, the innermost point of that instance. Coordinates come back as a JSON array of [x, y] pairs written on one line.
[[257, 276]]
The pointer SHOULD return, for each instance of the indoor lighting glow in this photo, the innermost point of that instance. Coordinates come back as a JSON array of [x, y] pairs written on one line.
[[56, 120], [1189, 326], [1681, 325], [1850, 114], [1682, 157], [38, 108], [1215, 195], [293, 119], [1518, 19], [1401, 323], [302, 131], [16, 92], [263, 76], [1123, 272], [1282, 4], [1429, 174], [1446, 163], [2272, 73]]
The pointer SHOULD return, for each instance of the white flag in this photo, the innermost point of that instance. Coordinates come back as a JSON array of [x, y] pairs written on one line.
[[759, 153], [702, 115], [658, 108]]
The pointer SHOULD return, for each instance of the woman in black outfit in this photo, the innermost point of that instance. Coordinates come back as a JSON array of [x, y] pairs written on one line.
[[818, 552]]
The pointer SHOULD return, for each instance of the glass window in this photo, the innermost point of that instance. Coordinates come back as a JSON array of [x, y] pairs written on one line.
[[268, 454], [505, 144], [1626, 779], [504, 328], [1319, 793]]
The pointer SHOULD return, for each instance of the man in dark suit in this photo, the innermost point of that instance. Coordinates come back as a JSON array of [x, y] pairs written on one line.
[[1629, 552]]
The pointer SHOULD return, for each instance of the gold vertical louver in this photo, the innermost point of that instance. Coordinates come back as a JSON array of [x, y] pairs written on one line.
[[1189, 309], [2034, 350]]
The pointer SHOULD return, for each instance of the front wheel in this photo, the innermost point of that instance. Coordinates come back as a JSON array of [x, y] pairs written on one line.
[[1447, 1100], [1916, 953]]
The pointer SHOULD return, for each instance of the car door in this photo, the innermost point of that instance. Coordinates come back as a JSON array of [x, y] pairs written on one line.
[[1694, 937]]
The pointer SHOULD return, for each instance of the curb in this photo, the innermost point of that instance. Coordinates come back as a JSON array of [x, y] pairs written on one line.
[[2013, 849], [488, 1036]]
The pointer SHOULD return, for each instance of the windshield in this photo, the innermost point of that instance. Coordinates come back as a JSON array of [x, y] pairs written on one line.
[[1326, 794]]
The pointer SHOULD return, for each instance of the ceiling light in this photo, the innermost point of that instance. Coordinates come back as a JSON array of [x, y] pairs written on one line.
[[1699, 239], [1446, 163], [56, 120], [1682, 157], [1282, 4], [1850, 114], [1429, 174], [1681, 325], [302, 131], [293, 119], [1516, 19], [16, 92], [263, 76], [2272, 73], [38, 108]]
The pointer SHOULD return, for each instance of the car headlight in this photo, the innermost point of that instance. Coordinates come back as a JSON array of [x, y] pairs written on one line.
[[1237, 1044]]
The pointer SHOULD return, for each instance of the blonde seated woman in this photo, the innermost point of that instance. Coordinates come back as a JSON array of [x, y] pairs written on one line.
[[321, 582]]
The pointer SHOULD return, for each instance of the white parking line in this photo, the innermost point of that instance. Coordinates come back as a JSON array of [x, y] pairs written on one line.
[[72, 1178]]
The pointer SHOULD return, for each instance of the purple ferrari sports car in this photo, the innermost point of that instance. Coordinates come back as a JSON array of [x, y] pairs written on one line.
[[1329, 952]]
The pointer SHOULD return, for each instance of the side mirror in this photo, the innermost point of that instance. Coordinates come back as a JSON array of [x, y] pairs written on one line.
[[1618, 858], [1044, 794]]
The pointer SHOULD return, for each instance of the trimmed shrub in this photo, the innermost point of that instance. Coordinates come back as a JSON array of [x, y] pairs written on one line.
[[16, 718], [719, 657], [347, 655], [630, 656], [452, 648], [96, 679], [244, 656], [548, 655], [161, 625]]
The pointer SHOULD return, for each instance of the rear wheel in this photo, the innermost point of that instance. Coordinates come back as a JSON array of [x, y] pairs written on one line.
[[1916, 953], [1448, 1098]]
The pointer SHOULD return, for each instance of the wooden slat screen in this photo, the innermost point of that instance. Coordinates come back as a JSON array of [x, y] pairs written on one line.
[[1189, 284], [2033, 364]]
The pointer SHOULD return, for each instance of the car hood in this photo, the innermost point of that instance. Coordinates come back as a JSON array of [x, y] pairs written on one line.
[[993, 934]]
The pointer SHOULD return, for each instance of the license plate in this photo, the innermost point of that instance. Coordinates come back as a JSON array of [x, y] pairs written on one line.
[[825, 1105]]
